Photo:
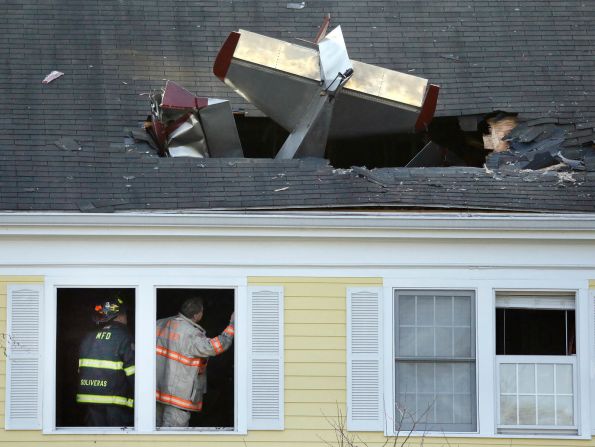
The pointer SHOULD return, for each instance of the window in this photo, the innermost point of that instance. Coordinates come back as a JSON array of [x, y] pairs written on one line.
[[184, 375], [435, 360], [95, 357], [536, 362]]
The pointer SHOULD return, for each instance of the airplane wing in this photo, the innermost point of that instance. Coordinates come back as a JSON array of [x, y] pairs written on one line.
[[280, 78]]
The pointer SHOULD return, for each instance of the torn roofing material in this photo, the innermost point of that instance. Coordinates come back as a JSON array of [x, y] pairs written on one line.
[[542, 143]]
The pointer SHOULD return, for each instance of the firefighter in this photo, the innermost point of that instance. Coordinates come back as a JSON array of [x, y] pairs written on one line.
[[182, 353], [106, 368]]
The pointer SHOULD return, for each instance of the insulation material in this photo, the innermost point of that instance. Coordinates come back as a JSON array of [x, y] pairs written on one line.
[[499, 129]]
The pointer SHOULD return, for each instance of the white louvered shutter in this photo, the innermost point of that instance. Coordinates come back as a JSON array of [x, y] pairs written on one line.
[[23, 378], [364, 358], [265, 381]]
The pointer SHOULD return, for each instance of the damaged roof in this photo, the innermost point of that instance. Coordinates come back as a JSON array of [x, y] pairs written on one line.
[[79, 181], [63, 144], [534, 57]]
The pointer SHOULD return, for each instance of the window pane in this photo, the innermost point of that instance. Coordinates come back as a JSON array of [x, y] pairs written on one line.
[[445, 409], [545, 410], [425, 310], [425, 408], [407, 341], [425, 341], [462, 342], [406, 406], [527, 410], [425, 378], [95, 361], [444, 377], [545, 379], [462, 409], [444, 346], [408, 377], [508, 410], [564, 379], [407, 310], [526, 374], [444, 310], [564, 411], [508, 378], [464, 375], [462, 310]]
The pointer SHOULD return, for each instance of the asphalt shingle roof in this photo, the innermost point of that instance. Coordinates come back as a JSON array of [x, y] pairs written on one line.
[[131, 181], [530, 56]]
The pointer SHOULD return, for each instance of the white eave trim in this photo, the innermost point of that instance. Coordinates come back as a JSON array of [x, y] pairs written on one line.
[[303, 224]]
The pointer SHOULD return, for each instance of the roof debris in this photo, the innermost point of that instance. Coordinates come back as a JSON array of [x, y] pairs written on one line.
[[300, 5], [565, 177], [542, 143], [52, 76]]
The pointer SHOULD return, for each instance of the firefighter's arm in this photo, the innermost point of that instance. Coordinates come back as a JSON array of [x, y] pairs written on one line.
[[127, 356], [210, 347]]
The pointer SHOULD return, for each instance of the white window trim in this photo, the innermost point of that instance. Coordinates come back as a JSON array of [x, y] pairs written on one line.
[[485, 296], [145, 292]]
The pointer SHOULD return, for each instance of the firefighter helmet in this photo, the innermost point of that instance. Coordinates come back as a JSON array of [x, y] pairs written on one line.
[[108, 310]]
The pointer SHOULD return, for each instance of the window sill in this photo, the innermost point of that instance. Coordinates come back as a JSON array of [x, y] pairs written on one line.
[[132, 431], [541, 435]]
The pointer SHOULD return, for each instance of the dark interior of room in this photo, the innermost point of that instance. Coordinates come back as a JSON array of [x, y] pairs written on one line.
[[535, 332], [75, 309]]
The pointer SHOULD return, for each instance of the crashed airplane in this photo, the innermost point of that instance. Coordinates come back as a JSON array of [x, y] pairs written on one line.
[[311, 89]]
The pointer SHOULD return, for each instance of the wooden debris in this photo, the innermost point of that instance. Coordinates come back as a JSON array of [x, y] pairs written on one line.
[[499, 128]]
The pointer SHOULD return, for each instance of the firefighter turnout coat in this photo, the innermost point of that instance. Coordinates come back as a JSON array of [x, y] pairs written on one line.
[[106, 367], [182, 353]]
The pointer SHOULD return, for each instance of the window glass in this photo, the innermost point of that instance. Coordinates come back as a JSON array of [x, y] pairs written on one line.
[[435, 361], [536, 394], [195, 359], [95, 362]]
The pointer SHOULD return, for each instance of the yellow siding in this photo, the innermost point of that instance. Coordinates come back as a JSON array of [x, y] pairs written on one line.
[[592, 284], [315, 380]]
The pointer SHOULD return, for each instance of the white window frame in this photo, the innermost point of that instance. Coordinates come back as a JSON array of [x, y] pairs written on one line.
[[473, 326], [486, 373], [389, 350], [544, 302], [145, 287]]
